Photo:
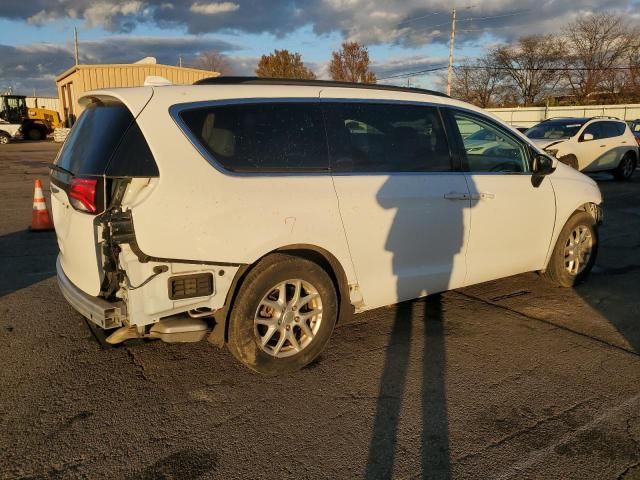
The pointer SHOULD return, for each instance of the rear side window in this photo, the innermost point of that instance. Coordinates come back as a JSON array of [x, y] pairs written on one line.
[[613, 129], [106, 140], [262, 137], [369, 137]]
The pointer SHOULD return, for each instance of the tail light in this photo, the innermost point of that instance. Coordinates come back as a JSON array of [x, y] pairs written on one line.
[[82, 194]]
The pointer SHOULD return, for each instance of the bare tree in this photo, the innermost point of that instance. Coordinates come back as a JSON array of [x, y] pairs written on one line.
[[631, 87], [214, 61], [351, 64], [595, 44], [532, 64], [477, 82], [283, 64]]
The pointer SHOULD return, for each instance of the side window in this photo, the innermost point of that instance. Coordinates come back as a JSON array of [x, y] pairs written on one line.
[[488, 148], [614, 129], [262, 137], [369, 137], [609, 130], [595, 129]]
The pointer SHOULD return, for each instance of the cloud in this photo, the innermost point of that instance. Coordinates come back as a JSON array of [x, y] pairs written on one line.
[[25, 67], [402, 22], [214, 8]]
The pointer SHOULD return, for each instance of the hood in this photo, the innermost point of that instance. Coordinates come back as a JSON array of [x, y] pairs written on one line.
[[543, 143]]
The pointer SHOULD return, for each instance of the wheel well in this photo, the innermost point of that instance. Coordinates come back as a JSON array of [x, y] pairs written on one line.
[[633, 153], [591, 208], [315, 254]]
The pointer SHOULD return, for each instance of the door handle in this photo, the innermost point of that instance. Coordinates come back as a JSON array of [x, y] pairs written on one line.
[[483, 196], [456, 196], [602, 146]]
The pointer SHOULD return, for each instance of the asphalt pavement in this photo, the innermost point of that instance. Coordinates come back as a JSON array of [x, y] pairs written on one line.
[[514, 378]]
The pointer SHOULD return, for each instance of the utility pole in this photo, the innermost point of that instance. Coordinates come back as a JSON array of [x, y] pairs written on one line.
[[75, 44], [180, 61], [451, 44]]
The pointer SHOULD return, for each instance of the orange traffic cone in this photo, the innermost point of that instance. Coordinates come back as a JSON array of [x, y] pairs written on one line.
[[40, 219]]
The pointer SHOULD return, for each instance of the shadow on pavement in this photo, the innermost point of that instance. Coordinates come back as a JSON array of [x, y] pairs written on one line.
[[26, 258]]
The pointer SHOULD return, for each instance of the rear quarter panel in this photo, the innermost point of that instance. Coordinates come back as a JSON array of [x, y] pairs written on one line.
[[198, 212]]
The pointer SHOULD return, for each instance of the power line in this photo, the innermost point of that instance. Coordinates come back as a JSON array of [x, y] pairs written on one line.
[[413, 74], [549, 69], [428, 15], [415, 19], [482, 67], [490, 17]]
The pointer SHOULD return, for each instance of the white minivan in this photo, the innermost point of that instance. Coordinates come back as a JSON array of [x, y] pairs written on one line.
[[260, 212]]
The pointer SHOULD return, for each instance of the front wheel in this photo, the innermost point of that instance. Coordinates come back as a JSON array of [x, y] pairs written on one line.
[[4, 138], [575, 252], [625, 169], [283, 315]]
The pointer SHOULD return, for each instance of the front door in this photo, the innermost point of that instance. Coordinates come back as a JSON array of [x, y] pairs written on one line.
[[511, 219], [404, 208], [591, 153]]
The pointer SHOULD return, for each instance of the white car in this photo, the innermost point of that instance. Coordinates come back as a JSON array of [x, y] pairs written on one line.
[[261, 212], [8, 132], [589, 144]]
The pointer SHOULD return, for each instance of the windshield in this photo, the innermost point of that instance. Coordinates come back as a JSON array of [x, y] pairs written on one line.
[[555, 130]]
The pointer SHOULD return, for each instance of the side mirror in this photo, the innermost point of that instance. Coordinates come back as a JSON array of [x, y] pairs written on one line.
[[542, 166], [587, 137]]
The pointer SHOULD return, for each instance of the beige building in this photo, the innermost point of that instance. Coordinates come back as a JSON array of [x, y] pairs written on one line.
[[82, 78]]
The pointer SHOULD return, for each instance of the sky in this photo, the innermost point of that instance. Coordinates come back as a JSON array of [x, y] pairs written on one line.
[[36, 36]]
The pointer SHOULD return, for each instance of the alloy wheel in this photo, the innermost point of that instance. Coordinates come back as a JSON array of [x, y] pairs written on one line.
[[288, 318], [578, 250]]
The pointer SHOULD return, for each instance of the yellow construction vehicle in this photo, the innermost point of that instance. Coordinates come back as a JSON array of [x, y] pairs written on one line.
[[33, 123]]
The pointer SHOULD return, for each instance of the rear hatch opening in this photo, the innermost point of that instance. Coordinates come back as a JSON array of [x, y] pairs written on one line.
[[104, 154]]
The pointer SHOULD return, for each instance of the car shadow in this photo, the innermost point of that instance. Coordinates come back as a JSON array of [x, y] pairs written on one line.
[[26, 258]]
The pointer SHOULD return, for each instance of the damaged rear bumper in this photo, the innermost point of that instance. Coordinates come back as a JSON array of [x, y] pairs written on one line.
[[99, 311]]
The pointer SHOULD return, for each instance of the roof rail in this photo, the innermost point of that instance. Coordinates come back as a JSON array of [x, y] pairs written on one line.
[[582, 118], [312, 83], [558, 118]]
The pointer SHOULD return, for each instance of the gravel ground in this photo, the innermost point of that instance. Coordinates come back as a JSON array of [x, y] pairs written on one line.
[[510, 379]]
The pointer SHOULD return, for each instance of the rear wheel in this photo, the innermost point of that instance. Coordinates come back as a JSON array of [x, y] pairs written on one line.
[[35, 134], [626, 167], [575, 252], [283, 315], [4, 138]]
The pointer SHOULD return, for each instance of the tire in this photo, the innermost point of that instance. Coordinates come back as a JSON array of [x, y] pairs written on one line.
[[569, 160], [626, 167], [4, 138], [253, 322], [34, 134], [557, 269]]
